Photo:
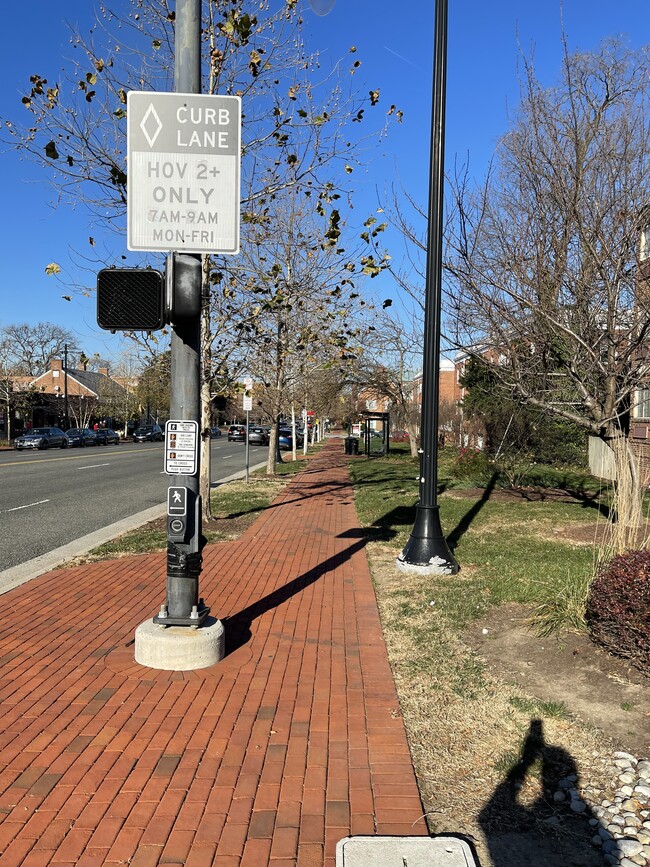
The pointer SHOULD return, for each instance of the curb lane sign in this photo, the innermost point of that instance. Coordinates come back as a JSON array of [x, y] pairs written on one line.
[[181, 447], [184, 172]]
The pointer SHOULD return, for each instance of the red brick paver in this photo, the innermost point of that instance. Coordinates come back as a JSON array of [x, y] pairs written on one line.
[[292, 742]]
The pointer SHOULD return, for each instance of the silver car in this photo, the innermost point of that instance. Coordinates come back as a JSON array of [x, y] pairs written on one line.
[[41, 438]]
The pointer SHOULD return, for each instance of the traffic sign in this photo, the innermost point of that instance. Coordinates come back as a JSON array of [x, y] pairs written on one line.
[[248, 403], [184, 172], [181, 447], [177, 501]]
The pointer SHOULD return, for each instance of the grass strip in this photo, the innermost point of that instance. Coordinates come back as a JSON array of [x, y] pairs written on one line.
[[510, 548], [235, 506], [466, 726]]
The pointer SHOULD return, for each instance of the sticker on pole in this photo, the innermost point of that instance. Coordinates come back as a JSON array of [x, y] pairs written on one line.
[[181, 447]]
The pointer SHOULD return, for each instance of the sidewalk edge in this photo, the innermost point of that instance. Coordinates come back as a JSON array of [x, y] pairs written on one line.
[[24, 572]]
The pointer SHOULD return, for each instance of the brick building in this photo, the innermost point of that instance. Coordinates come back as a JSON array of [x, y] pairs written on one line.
[[90, 396]]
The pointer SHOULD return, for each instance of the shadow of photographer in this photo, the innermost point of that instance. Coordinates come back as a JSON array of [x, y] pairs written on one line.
[[554, 829]]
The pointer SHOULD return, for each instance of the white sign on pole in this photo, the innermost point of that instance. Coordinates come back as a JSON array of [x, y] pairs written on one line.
[[248, 403], [184, 172], [181, 447]]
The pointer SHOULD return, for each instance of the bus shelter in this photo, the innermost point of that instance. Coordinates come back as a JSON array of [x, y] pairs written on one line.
[[376, 435]]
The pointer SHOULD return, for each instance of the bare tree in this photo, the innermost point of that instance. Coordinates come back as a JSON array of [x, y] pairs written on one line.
[[28, 349], [543, 257], [294, 110], [304, 303], [293, 120], [391, 358]]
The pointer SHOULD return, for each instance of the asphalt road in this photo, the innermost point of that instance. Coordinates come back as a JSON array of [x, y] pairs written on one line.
[[48, 499]]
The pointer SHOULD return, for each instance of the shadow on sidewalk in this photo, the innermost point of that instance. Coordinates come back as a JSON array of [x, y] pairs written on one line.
[[238, 626], [326, 488], [546, 833]]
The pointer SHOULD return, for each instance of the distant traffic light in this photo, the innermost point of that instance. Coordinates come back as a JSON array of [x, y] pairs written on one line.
[[130, 299]]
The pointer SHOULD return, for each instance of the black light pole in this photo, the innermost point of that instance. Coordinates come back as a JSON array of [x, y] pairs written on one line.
[[426, 549]]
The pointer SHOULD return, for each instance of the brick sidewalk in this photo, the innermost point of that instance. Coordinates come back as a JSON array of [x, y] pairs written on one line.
[[292, 742]]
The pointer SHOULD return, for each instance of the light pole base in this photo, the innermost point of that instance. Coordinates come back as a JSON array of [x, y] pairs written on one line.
[[426, 552]]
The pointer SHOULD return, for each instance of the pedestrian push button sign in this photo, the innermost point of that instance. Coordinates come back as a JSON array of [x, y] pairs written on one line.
[[181, 447], [177, 502]]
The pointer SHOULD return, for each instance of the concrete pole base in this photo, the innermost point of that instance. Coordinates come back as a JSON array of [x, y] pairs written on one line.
[[179, 648]]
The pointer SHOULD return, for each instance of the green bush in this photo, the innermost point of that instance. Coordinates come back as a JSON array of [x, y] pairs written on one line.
[[473, 465], [516, 432], [618, 607], [559, 443]]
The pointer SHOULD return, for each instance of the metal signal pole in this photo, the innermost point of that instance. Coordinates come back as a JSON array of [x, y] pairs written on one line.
[[183, 606]]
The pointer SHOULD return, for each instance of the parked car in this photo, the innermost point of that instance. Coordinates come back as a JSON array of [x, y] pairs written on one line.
[[236, 433], [286, 438], [148, 433], [257, 436], [42, 438], [105, 436], [81, 436], [215, 432]]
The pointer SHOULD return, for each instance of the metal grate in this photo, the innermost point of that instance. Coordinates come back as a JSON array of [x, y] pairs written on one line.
[[130, 299]]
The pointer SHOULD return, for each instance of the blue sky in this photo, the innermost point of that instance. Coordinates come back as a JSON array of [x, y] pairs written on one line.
[[395, 44]]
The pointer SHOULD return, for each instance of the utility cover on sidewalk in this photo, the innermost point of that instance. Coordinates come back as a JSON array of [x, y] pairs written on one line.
[[403, 852]]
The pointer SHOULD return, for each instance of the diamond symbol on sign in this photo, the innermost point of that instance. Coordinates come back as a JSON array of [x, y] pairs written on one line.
[[151, 120]]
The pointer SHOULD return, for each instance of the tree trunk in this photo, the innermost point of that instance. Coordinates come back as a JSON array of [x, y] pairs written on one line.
[[273, 447], [412, 431], [627, 507], [205, 465], [206, 400]]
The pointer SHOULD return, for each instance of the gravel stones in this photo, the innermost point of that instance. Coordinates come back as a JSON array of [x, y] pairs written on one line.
[[622, 815]]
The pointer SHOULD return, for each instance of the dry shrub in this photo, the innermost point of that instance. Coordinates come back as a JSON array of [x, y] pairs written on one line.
[[618, 607]]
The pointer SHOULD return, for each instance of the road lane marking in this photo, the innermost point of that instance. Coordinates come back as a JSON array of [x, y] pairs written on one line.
[[93, 466], [52, 459], [27, 506]]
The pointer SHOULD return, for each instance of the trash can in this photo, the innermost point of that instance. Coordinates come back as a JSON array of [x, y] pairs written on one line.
[[351, 446]]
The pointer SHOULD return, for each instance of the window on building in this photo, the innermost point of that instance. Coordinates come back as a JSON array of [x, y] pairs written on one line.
[[644, 245], [642, 403]]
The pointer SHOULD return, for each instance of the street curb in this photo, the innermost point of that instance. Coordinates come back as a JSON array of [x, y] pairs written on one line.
[[24, 572]]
